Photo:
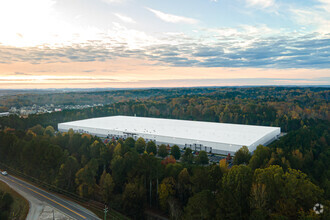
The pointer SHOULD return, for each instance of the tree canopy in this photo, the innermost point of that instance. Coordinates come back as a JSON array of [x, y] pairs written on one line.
[[175, 152], [283, 180]]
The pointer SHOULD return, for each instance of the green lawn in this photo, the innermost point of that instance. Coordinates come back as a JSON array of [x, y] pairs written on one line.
[[20, 206]]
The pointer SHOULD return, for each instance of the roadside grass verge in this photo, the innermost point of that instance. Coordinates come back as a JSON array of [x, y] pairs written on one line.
[[97, 209], [112, 214], [20, 206]]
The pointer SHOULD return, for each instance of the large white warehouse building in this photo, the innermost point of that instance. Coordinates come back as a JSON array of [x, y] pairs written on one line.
[[220, 138]]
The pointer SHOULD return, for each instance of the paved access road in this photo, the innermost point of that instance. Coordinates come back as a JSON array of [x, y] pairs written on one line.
[[69, 208]]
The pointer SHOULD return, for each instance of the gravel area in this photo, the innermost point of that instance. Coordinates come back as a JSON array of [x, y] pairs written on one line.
[[49, 213]]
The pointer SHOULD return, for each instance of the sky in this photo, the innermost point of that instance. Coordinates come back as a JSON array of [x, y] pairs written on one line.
[[163, 43]]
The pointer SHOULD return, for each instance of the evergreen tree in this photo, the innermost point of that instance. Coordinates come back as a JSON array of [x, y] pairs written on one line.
[[175, 152]]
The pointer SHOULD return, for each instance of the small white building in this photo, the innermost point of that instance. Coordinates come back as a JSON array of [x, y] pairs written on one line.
[[219, 138], [3, 114]]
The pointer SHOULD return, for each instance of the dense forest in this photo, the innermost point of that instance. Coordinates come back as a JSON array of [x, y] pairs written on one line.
[[281, 181]]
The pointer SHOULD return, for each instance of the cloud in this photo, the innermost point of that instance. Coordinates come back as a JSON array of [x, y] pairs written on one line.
[[325, 4], [240, 46], [240, 50], [172, 18], [44, 78], [313, 18], [237, 81], [125, 18], [20, 73], [114, 1], [62, 82], [30, 23], [260, 3]]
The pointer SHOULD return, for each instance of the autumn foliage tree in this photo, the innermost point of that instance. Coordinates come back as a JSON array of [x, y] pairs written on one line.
[[140, 145], [151, 148], [236, 186], [134, 198], [166, 191], [106, 186], [242, 156], [168, 160]]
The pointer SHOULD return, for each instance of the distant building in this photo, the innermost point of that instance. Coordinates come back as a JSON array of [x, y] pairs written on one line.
[[220, 138], [2, 114]]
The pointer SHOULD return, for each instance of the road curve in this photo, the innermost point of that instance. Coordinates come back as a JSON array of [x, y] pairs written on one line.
[[69, 208]]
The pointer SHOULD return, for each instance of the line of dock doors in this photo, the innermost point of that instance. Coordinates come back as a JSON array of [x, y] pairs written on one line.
[[135, 137], [199, 147]]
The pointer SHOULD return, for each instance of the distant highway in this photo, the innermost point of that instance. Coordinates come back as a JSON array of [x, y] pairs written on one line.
[[69, 208]]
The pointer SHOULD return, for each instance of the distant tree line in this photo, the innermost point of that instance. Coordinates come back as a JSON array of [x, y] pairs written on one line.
[[288, 108]]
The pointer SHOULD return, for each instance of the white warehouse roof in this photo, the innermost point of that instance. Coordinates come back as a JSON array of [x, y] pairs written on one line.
[[222, 136]]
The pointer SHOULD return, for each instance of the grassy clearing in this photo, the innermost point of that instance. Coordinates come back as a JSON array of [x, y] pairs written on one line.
[[20, 206]]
